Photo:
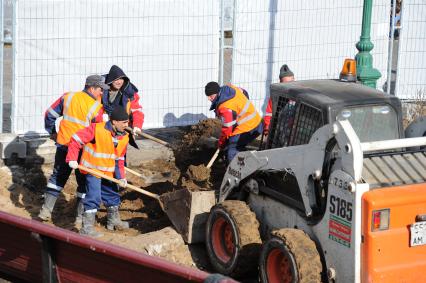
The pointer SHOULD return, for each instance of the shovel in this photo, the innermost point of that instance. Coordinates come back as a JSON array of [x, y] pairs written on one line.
[[187, 210], [134, 188]]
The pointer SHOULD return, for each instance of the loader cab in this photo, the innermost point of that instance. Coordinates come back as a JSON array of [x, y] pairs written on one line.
[[302, 107]]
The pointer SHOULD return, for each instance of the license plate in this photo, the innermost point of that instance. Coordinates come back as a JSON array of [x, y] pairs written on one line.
[[418, 234]]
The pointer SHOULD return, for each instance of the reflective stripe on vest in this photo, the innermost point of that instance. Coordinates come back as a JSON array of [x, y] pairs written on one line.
[[99, 154], [53, 113], [247, 118], [229, 124], [77, 138], [100, 168], [136, 110], [92, 111]]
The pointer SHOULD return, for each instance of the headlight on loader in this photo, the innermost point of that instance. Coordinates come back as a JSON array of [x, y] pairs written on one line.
[[380, 220]]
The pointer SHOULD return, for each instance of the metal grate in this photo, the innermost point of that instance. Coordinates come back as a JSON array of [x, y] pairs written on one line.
[[277, 134], [394, 169], [307, 122]]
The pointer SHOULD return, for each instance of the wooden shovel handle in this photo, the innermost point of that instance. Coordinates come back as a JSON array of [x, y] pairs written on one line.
[[98, 174], [213, 158], [134, 172], [145, 135]]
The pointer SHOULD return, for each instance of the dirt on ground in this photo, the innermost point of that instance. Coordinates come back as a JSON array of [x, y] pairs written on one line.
[[24, 186]]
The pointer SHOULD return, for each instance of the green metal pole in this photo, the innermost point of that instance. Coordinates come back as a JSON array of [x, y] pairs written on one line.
[[366, 74]]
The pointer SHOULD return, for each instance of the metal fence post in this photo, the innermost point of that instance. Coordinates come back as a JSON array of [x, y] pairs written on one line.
[[1, 62], [14, 36], [234, 21], [390, 49], [222, 42]]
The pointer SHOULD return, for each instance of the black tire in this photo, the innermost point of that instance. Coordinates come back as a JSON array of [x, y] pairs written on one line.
[[232, 238], [290, 256]]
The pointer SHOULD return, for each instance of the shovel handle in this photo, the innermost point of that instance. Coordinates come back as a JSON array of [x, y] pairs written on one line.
[[114, 180], [134, 172], [145, 135], [213, 158]]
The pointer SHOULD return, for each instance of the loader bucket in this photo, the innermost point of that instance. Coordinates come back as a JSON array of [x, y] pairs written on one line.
[[188, 211]]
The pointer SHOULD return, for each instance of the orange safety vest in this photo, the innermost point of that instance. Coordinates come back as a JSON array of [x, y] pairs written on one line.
[[78, 111], [102, 154], [247, 116]]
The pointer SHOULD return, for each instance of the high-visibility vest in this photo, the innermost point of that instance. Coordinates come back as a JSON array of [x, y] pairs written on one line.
[[79, 109], [247, 116], [102, 154]]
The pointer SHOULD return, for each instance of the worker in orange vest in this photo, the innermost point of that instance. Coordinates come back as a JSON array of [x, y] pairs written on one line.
[[104, 147], [241, 123], [286, 75], [78, 110]]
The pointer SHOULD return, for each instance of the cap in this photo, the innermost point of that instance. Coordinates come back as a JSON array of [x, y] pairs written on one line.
[[119, 114], [97, 81], [212, 88], [285, 71]]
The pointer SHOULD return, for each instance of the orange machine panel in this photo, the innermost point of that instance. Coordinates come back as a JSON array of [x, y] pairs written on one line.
[[386, 256]]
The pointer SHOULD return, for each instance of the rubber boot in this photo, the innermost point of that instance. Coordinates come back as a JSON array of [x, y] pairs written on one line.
[[88, 228], [114, 221], [79, 213], [47, 208]]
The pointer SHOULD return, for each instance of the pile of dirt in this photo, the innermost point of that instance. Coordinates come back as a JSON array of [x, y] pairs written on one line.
[[204, 129], [198, 173], [194, 151]]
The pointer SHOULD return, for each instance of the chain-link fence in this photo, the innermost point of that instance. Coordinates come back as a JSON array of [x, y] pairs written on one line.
[[167, 48], [410, 31], [171, 48]]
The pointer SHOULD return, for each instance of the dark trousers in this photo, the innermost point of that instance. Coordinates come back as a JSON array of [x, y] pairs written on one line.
[[239, 142], [61, 173], [98, 190]]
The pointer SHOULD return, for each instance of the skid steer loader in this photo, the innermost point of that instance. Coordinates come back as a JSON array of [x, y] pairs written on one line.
[[338, 195]]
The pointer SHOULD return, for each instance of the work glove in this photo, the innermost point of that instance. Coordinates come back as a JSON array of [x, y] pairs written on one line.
[[123, 183], [105, 117], [73, 164], [136, 131]]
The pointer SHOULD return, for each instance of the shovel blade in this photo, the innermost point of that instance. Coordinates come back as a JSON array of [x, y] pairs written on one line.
[[188, 211]]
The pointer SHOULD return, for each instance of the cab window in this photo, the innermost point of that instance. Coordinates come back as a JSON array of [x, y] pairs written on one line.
[[372, 123]]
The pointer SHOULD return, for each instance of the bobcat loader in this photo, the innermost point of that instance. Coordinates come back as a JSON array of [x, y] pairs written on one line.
[[338, 195]]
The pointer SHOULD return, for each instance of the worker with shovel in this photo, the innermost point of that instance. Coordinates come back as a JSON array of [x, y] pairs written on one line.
[[125, 94], [241, 123], [104, 146], [78, 110]]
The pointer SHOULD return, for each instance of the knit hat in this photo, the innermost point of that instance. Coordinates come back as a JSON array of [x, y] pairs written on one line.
[[285, 71], [119, 114], [212, 88]]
